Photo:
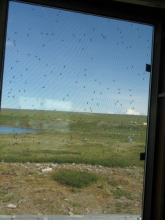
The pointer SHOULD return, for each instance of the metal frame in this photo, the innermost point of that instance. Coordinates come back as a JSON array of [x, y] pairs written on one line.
[[123, 11], [3, 25], [152, 123]]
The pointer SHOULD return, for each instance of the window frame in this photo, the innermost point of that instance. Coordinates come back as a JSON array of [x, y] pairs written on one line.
[[124, 11]]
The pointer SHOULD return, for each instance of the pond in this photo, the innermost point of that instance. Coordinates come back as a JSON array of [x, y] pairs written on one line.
[[14, 130]]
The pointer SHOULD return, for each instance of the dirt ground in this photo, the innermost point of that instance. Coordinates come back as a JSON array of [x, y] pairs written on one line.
[[33, 191]]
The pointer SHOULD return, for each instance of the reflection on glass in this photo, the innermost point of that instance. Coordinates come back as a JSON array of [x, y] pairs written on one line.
[[74, 113]]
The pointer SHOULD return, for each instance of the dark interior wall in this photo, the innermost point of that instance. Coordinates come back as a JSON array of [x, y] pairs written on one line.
[[138, 11], [158, 202]]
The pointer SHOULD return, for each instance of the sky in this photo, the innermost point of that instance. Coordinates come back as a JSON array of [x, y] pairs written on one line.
[[67, 61]]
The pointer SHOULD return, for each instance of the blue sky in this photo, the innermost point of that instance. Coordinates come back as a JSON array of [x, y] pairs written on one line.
[[67, 61]]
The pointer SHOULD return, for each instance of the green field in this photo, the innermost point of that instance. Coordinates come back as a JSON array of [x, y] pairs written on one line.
[[67, 137]]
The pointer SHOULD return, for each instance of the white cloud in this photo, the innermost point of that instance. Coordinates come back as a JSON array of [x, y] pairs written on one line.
[[58, 105], [109, 112], [8, 43], [44, 104], [131, 112]]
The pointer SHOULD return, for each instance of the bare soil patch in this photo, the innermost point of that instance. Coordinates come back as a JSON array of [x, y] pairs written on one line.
[[119, 190]]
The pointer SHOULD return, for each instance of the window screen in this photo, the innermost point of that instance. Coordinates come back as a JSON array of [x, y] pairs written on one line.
[[74, 113]]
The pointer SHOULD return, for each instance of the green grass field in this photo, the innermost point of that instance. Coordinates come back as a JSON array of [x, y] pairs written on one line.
[[67, 137]]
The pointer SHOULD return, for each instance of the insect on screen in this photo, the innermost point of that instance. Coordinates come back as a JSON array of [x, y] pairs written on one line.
[[74, 112]]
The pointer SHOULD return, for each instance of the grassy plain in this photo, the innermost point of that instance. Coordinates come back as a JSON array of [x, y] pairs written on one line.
[[68, 137]]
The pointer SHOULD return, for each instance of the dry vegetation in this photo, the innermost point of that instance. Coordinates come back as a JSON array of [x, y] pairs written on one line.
[[118, 190]]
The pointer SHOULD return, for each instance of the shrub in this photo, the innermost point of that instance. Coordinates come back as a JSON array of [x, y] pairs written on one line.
[[75, 204], [120, 192], [78, 179]]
